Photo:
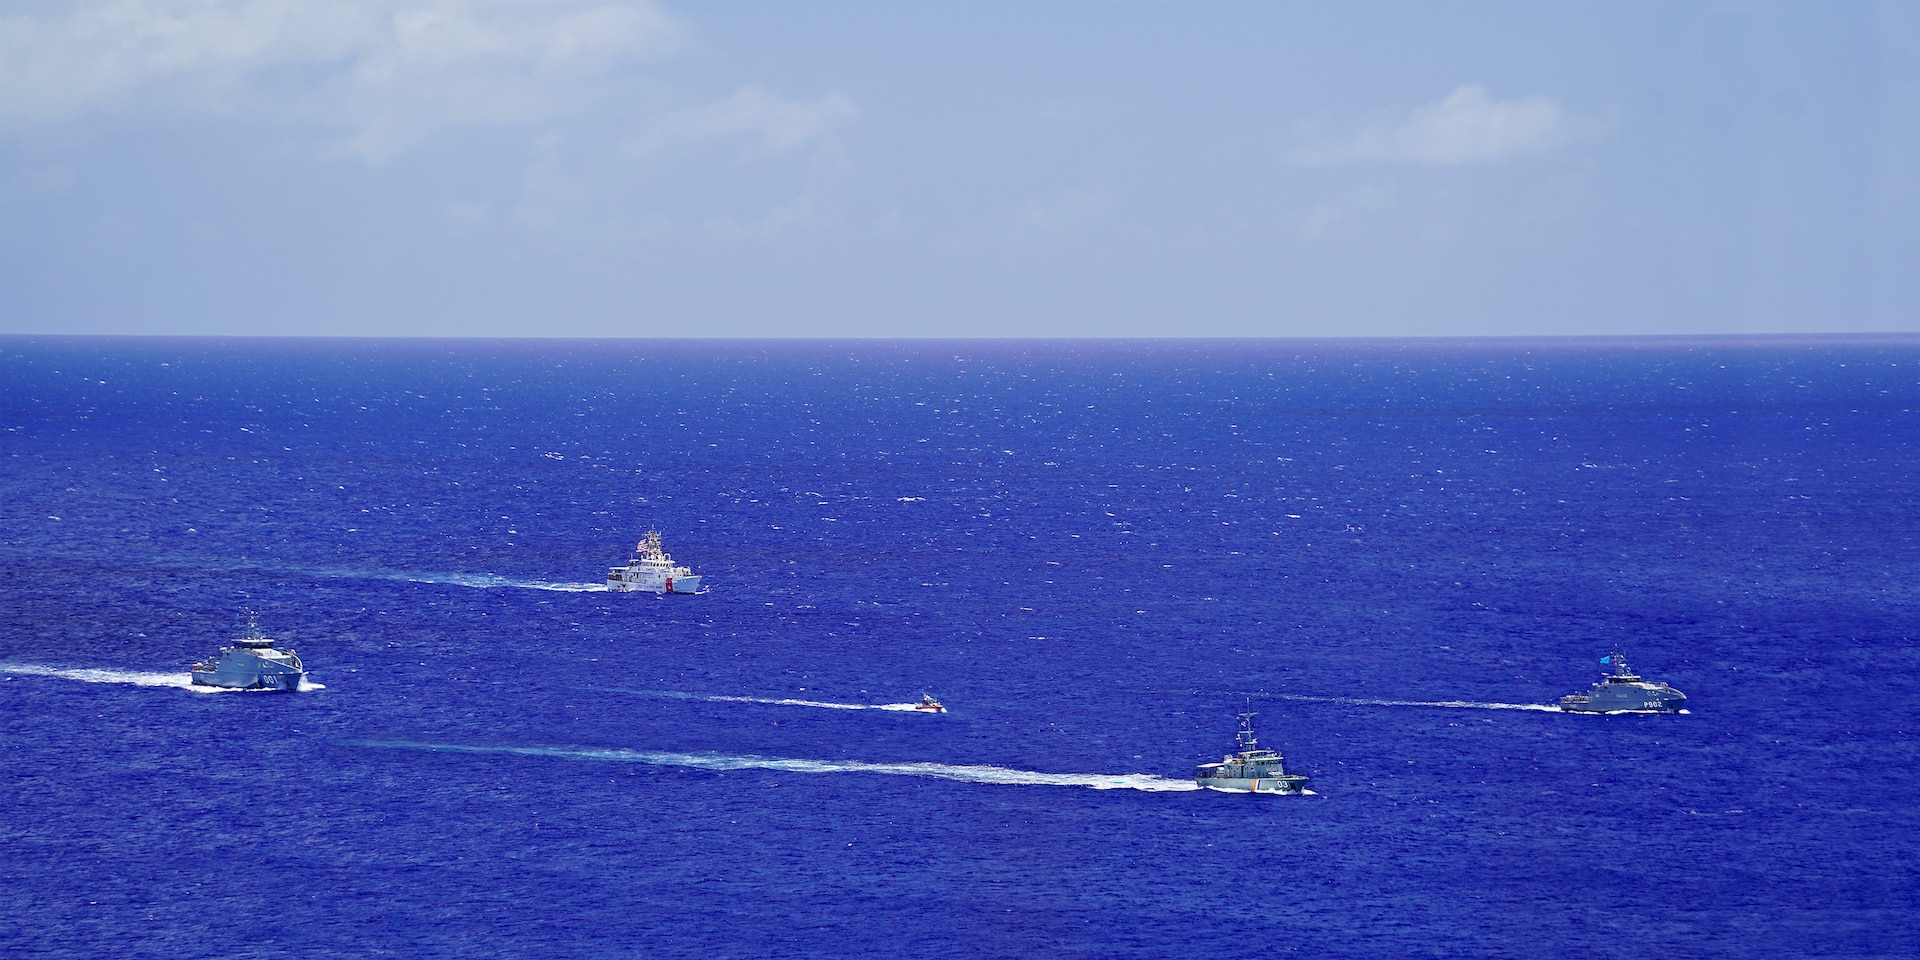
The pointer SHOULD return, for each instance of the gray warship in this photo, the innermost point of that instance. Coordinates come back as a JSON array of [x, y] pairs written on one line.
[[1622, 691], [251, 662], [1250, 769]]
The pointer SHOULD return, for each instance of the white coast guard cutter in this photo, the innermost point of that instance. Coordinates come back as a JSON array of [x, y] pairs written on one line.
[[652, 571]]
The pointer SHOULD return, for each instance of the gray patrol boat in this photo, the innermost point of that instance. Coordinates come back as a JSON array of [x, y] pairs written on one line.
[[1250, 769], [251, 662], [1622, 691]]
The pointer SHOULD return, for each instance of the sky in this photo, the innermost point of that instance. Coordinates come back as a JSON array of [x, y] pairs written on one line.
[[937, 168]]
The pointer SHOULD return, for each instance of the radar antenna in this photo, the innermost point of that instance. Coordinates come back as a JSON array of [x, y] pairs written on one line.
[[1244, 737]]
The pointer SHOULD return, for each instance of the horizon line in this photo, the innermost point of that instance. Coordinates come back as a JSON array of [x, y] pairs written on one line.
[[1345, 338]]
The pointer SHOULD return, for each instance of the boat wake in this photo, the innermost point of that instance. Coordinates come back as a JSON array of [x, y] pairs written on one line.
[[485, 582], [819, 704], [138, 678], [482, 581], [722, 762], [183, 679], [1451, 704]]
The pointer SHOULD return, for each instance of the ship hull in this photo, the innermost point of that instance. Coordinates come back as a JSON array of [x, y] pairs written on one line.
[[682, 585], [1289, 785], [1634, 706], [248, 680]]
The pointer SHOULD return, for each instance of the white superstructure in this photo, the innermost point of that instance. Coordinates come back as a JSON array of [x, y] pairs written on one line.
[[652, 571]]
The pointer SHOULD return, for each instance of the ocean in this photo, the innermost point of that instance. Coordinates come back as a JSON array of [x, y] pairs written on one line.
[[1398, 554]]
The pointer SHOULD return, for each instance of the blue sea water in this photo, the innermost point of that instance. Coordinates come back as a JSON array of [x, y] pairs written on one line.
[[1094, 553]]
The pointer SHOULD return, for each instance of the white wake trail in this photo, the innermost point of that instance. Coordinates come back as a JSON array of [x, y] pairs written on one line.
[[714, 761], [182, 680], [137, 678], [481, 581], [488, 582], [1452, 704], [818, 704]]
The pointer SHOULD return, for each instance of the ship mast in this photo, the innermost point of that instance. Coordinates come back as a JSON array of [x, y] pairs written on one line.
[[1620, 668], [649, 548]]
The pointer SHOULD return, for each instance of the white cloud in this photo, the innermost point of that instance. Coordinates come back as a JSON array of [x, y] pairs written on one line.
[[1468, 126], [779, 124], [385, 71]]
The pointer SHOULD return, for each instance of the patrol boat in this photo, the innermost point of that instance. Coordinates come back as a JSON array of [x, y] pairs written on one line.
[[1251, 769], [652, 571], [1622, 691], [928, 704], [252, 662]]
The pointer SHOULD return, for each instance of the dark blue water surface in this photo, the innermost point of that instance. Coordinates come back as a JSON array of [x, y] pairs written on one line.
[[1095, 553]]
